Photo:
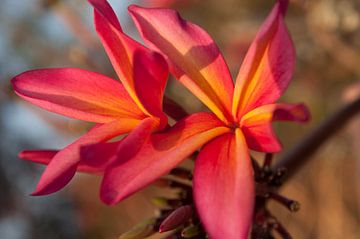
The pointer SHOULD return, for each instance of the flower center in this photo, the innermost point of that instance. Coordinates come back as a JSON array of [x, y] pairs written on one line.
[[233, 126]]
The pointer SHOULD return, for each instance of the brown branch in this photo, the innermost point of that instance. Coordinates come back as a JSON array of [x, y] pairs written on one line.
[[300, 154]]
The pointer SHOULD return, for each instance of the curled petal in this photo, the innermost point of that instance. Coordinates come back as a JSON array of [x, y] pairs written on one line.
[[224, 187], [143, 72], [193, 56], [63, 165], [76, 93], [257, 128], [268, 66], [103, 8], [150, 76], [137, 167]]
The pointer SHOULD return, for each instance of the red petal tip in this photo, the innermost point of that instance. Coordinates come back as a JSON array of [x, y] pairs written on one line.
[[109, 198]]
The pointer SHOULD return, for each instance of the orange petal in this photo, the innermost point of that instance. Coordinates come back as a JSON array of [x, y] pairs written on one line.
[[256, 124], [144, 73], [268, 66], [76, 93], [193, 56], [224, 187]]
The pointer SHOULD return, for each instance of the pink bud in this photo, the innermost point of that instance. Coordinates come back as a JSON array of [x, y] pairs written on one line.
[[176, 218]]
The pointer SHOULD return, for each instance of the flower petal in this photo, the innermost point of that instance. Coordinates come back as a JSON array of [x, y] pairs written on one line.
[[45, 156], [158, 154], [106, 152], [76, 93], [144, 73], [38, 156], [224, 187], [64, 164], [193, 56], [103, 8], [150, 77], [268, 66], [256, 124]]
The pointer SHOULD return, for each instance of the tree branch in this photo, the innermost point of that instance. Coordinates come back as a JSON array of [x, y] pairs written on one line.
[[300, 154]]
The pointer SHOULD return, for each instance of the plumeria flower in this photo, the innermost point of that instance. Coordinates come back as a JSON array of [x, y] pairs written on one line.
[[134, 106], [240, 120]]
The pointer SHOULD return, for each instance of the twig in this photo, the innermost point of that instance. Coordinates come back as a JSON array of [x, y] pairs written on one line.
[[300, 154]]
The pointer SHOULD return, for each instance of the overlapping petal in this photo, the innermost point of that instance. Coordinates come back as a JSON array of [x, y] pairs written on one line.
[[143, 72], [76, 93], [224, 187], [193, 56], [257, 128], [150, 72], [63, 166], [45, 156], [140, 164], [268, 65]]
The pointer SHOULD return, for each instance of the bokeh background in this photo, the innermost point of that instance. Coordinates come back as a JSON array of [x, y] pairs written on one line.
[[51, 33]]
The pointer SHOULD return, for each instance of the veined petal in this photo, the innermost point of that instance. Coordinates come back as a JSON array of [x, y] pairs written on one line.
[[139, 166], [268, 66], [76, 93], [45, 156], [256, 124], [144, 73], [224, 187], [193, 56], [64, 164]]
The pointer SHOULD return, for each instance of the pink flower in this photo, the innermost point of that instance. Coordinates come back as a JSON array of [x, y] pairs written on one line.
[[134, 107], [241, 120]]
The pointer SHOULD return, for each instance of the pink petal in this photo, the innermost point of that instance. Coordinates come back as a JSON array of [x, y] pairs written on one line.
[[224, 187], [103, 8], [256, 124], [144, 73], [98, 155], [129, 146], [193, 56], [38, 156], [141, 163], [45, 156], [268, 66], [64, 164], [150, 77], [76, 93]]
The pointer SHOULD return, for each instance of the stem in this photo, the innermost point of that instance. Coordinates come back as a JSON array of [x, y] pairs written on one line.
[[300, 154]]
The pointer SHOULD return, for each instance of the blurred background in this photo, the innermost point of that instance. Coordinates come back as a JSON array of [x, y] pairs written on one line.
[[54, 33]]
